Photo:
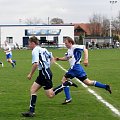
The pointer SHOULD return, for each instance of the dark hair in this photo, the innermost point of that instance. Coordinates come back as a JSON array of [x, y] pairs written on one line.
[[70, 40], [34, 39]]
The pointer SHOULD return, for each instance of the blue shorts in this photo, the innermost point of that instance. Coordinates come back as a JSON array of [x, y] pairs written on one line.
[[8, 56], [77, 71]]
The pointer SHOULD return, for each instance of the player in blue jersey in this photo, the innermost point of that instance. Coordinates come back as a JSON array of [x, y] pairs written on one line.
[[41, 59], [74, 55], [7, 50]]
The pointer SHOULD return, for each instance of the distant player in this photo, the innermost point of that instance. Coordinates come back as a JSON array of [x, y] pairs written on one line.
[[7, 50], [73, 55]]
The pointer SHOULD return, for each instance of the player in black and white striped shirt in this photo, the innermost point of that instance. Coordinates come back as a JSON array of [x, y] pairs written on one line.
[[41, 59]]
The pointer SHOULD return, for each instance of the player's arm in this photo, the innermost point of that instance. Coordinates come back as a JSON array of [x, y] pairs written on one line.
[[61, 59], [34, 67], [6, 50], [52, 60], [85, 62]]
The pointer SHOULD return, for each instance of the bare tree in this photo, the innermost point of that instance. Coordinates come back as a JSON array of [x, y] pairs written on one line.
[[33, 21], [105, 26], [95, 25], [116, 25], [100, 25], [56, 21]]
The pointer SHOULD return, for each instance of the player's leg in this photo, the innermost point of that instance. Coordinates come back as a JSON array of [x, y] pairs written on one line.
[[49, 93], [97, 84], [66, 89], [10, 61], [14, 61], [48, 85], [59, 88], [65, 86], [69, 75], [68, 98], [83, 77], [52, 92], [35, 87], [9, 56]]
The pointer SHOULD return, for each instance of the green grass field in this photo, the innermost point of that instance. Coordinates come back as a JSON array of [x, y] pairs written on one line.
[[104, 66]]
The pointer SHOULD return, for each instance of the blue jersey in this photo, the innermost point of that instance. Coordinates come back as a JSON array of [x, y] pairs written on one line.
[[74, 54], [42, 57]]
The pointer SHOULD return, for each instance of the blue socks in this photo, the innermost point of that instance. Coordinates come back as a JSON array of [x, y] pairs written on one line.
[[14, 61], [100, 85], [67, 92]]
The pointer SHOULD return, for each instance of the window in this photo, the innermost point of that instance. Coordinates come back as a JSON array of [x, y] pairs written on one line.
[[9, 39], [43, 40], [64, 38]]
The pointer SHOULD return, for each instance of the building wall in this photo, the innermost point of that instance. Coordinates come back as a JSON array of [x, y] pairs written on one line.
[[17, 32]]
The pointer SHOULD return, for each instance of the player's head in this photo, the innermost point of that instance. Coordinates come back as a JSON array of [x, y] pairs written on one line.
[[69, 42], [33, 41]]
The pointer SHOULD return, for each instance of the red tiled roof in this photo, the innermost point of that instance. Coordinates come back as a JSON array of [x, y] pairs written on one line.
[[84, 26]]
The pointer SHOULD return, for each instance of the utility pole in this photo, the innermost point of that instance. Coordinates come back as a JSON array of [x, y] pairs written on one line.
[[112, 2], [48, 20]]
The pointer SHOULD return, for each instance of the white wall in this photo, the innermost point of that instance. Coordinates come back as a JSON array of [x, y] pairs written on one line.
[[18, 32]]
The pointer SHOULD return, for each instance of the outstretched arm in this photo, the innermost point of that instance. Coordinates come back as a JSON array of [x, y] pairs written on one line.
[[85, 62], [61, 59]]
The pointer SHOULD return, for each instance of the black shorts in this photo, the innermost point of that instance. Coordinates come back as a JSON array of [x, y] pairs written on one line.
[[45, 79], [71, 77]]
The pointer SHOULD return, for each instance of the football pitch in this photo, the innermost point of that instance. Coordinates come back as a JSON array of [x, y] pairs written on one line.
[[104, 66]]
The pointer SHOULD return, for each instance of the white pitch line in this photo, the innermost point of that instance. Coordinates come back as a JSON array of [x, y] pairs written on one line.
[[111, 107]]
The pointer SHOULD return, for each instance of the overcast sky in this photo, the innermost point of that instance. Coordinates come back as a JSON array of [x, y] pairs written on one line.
[[71, 11]]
